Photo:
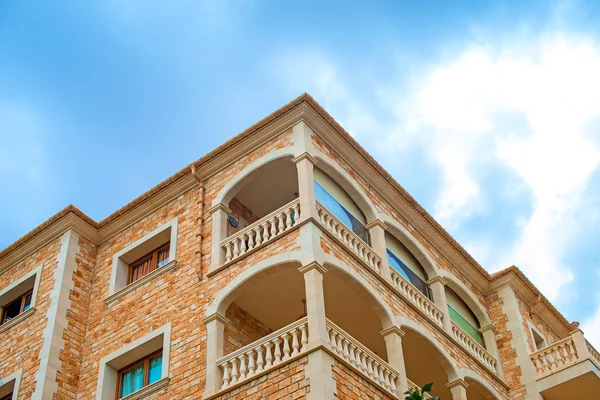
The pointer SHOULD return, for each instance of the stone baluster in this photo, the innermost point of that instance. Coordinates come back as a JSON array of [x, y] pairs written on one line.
[[295, 342]]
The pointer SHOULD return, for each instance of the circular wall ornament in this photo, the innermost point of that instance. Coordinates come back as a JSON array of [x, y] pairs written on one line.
[[233, 222]]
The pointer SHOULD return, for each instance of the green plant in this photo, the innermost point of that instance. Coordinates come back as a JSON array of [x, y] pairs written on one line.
[[419, 394]]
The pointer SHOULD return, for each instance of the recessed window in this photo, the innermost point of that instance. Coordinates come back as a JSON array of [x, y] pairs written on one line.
[[149, 262], [538, 339], [140, 374], [7, 397], [16, 307]]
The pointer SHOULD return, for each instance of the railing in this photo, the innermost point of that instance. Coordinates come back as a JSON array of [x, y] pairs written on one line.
[[261, 231], [465, 325], [409, 274], [594, 355], [265, 353], [350, 239], [361, 358], [554, 357], [412, 386], [473, 347], [417, 298]]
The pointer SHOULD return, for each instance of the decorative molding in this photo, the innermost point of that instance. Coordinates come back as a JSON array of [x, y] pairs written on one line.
[[215, 317], [458, 382], [218, 207], [486, 328], [437, 279], [375, 223], [305, 156], [313, 265], [392, 329], [25, 314], [140, 282]]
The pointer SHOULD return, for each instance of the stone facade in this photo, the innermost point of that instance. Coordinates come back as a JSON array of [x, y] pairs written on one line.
[[215, 344]]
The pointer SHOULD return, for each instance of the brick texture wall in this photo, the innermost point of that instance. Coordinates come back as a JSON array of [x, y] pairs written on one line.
[[287, 382], [351, 385], [243, 328]]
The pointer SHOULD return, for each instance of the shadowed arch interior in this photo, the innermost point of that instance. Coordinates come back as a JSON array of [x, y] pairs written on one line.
[[425, 363], [476, 391], [266, 302], [351, 307]]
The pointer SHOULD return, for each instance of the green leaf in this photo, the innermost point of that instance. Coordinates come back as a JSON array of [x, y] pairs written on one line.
[[427, 387], [434, 398]]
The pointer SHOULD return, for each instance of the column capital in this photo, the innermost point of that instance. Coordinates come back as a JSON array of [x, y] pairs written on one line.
[[391, 330], [303, 156], [457, 382], [436, 279], [218, 207], [375, 223], [215, 317], [311, 266], [488, 327]]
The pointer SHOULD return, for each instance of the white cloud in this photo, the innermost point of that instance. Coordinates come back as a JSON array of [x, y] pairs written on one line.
[[525, 110], [591, 326]]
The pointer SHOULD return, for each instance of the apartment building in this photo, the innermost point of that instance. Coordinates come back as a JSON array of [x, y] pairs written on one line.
[[284, 264]]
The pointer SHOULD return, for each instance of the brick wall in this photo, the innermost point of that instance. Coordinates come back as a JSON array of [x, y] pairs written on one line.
[[287, 382], [243, 328], [238, 211], [21, 344], [351, 385]]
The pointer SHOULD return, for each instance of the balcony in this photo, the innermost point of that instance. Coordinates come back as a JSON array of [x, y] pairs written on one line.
[[567, 369]]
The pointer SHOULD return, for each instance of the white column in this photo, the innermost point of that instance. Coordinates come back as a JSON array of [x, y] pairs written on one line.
[[490, 344], [306, 186], [458, 388], [580, 344], [215, 325], [438, 288], [219, 215], [377, 233], [393, 344], [315, 303]]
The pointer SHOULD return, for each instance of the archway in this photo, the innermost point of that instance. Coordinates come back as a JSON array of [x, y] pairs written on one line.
[[425, 363], [478, 391]]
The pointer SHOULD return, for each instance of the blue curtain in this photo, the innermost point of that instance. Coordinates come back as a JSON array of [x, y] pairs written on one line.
[[330, 203], [133, 380], [155, 371]]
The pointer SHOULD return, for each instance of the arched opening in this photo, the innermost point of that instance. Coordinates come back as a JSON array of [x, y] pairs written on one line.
[[335, 199], [476, 391], [425, 363], [265, 303], [352, 308], [463, 316], [402, 260], [263, 191]]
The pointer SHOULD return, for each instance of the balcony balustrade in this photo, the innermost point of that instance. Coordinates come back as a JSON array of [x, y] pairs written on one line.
[[351, 240], [270, 351], [412, 386], [418, 299], [474, 348], [555, 357], [362, 358], [262, 231]]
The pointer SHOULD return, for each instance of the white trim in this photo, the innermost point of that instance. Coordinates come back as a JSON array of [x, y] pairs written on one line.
[[50, 363], [466, 373], [16, 377], [118, 265], [106, 388]]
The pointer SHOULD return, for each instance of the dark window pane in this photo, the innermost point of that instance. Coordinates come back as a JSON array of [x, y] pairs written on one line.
[[12, 310], [27, 302], [163, 256], [330, 203], [409, 274]]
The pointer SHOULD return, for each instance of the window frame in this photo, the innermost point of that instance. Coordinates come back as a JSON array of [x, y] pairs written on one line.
[[21, 308], [153, 263], [146, 361]]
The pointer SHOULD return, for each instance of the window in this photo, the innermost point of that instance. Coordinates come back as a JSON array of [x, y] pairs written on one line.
[[17, 301], [16, 307], [142, 373], [137, 369], [7, 397], [409, 274], [142, 260], [538, 339], [341, 213], [148, 263], [9, 386]]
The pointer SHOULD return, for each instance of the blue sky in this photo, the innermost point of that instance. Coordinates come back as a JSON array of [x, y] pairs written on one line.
[[487, 112]]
